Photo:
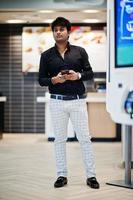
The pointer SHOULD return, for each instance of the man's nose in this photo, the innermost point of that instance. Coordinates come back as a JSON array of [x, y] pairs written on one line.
[[58, 31]]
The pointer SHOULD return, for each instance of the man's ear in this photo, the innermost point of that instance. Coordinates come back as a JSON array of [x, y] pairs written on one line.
[[69, 34]]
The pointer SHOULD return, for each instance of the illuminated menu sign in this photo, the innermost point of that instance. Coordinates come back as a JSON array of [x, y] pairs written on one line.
[[124, 33]]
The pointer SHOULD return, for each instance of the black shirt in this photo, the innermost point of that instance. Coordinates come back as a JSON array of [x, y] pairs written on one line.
[[51, 63]]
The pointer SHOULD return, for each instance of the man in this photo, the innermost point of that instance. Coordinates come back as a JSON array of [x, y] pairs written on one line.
[[63, 68]]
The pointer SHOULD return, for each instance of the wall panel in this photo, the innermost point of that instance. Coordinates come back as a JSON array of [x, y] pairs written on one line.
[[22, 113]]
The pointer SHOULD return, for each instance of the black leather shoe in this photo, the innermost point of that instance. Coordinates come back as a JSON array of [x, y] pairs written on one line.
[[60, 182], [92, 182]]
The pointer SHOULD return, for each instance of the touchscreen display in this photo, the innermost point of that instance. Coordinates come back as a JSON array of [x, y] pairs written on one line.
[[123, 33]]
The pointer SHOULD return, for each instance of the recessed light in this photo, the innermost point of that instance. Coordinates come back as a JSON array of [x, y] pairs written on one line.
[[46, 11], [15, 21], [48, 20], [91, 11], [91, 20]]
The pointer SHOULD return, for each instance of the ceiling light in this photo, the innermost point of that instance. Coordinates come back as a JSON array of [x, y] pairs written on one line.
[[91, 20], [91, 11], [15, 21], [46, 11], [48, 20]]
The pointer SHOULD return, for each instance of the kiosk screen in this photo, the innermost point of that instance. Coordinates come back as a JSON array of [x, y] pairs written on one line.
[[123, 33]]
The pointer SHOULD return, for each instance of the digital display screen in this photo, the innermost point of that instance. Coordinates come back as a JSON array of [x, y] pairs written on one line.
[[123, 33]]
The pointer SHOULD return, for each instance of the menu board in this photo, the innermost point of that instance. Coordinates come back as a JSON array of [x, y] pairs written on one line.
[[36, 40]]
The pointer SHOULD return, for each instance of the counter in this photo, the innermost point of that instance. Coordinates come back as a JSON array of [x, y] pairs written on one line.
[[100, 123], [3, 99]]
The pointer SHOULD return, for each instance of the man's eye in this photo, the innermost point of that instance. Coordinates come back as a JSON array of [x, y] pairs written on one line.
[[62, 29]]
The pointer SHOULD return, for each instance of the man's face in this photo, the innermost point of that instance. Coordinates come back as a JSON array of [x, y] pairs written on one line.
[[60, 34]]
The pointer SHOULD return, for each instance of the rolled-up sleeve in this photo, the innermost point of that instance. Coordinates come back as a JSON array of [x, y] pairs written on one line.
[[44, 79], [87, 73]]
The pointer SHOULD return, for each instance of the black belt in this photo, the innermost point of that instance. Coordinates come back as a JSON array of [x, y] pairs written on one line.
[[67, 97]]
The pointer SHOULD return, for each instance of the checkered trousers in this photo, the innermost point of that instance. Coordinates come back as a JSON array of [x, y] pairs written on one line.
[[76, 110]]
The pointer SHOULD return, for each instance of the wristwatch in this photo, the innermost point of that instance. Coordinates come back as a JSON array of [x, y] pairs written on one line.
[[79, 75]]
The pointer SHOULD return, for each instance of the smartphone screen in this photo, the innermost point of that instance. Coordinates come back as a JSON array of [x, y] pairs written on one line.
[[64, 71]]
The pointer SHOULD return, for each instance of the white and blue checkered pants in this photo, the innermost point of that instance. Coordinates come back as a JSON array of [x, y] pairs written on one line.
[[76, 110]]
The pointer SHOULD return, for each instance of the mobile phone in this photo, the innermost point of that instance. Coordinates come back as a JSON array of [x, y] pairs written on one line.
[[66, 71]]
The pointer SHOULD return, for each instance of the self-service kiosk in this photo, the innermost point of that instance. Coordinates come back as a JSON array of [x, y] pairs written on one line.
[[119, 99]]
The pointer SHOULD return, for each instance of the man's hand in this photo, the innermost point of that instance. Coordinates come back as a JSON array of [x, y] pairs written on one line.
[[72, 76], [58, 79]]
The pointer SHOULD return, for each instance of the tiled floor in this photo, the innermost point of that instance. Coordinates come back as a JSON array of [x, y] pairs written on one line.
[[27, 170]]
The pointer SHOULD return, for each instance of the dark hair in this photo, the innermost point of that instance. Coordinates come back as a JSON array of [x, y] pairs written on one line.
[[61, 21]]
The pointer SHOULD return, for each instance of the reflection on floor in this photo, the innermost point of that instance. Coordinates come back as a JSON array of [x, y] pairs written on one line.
[[27, 170]]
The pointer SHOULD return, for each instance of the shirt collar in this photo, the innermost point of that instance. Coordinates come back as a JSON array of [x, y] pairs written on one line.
[[67, 47]]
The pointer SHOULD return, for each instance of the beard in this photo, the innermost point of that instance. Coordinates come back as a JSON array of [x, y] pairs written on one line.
[[61, 39]]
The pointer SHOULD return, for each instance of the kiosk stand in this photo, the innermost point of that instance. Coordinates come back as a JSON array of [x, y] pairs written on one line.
[[119, 100], [127, 183]]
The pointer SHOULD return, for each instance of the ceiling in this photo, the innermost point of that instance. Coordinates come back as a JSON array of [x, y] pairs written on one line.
[[45, 11]]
